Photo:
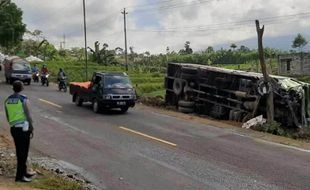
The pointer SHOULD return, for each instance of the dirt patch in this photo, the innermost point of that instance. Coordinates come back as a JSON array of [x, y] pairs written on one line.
[[157, 101]]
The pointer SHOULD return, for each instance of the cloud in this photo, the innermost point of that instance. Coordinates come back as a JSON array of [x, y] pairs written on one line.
[[154, 25]]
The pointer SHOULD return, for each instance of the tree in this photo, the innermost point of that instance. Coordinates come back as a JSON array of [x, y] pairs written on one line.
[[132, 54], [299, 42], [103, 56], [167, 50], [244, 48], [12, 28], [35, 44], [119, 51], [209, 49], [36, 35], [187, 49], [233, 46], [78, 53]]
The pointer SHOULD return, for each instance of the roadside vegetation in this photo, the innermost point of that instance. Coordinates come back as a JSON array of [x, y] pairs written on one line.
[[50, 181], [46, 180]]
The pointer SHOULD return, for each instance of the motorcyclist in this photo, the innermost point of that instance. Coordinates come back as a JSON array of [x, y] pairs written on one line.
[[44, 70], [61, 74], [44, 75], [35, 73], [62, 80], [35, 69]]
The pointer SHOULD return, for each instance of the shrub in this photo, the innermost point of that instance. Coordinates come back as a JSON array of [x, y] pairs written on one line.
[[273, 128]]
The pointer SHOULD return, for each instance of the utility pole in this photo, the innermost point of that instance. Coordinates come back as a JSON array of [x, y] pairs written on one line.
[[126, 58], [267, 81], [85, 39], [64, 42]]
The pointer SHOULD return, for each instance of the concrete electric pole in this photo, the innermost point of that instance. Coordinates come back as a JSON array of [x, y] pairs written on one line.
[[126, 58], [85, 40]]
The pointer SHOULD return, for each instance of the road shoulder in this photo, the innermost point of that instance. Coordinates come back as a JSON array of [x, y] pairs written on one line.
[[233, 127], [43, 180]]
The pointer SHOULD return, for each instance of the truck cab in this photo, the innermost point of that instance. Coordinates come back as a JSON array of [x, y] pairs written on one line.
[[105, 91], [16, 68]]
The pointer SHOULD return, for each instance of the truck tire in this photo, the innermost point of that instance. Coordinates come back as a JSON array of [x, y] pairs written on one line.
[[78, 100], [185, 110], [177, 86], [186, 104], [96, 106]]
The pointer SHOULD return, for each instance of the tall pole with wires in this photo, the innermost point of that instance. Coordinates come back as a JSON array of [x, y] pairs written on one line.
[[85, 40], [126, 58]]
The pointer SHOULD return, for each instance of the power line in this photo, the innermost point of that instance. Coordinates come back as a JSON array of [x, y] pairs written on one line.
[[151, 4], [229, 25], [173, 6]]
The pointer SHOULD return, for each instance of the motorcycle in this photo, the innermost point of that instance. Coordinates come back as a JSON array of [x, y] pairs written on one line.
[[62, 84], [35, 76], [44, 79]]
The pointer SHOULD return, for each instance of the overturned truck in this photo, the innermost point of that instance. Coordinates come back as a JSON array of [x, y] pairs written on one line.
[[235, 95]]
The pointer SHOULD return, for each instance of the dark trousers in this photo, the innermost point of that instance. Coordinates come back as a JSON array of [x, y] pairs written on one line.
[[22, 142]]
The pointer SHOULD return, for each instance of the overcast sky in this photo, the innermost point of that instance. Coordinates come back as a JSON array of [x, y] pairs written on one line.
[[155, 24]]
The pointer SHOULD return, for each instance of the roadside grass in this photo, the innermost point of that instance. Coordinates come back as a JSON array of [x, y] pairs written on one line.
[[304, 79], [251, 66], [50, 181], [160, 93], [44, 179]]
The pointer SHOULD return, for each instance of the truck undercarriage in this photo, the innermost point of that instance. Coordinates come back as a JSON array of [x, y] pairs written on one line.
[[235, 95]]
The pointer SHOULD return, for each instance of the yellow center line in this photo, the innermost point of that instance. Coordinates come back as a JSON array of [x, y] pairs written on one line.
[[50, 103], [148, 136]]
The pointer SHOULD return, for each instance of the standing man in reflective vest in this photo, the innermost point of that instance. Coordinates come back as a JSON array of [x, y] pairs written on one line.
[[20, 121]]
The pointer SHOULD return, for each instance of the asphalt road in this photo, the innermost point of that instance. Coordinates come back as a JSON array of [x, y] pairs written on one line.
[[144, 150]]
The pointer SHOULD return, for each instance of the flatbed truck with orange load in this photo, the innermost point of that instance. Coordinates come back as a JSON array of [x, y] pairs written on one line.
[[105, 91]]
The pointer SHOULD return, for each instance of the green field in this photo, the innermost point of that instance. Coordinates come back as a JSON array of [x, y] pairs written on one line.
[[145, 83]]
